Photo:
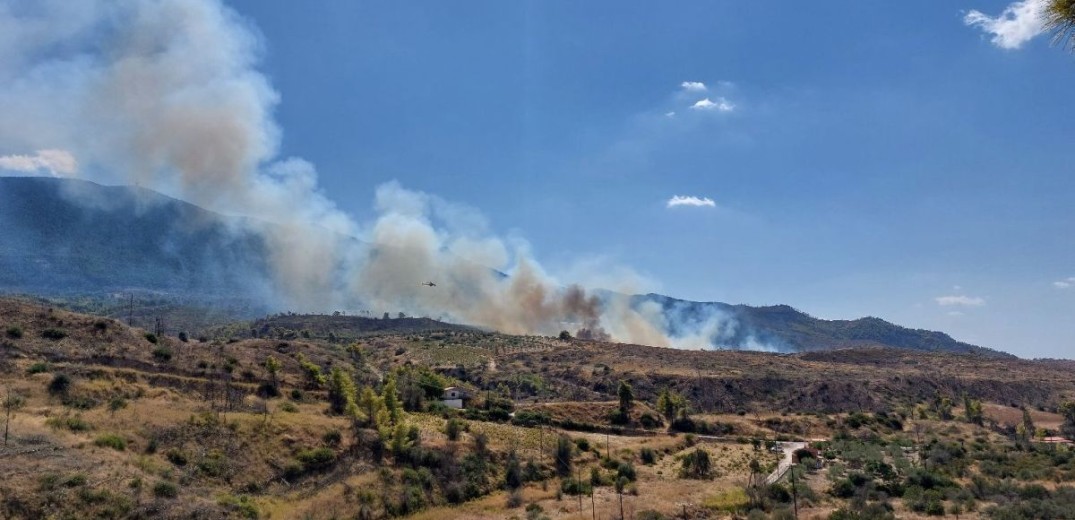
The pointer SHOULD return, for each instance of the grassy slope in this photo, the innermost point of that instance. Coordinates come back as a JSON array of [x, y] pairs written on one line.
[[170, 408]]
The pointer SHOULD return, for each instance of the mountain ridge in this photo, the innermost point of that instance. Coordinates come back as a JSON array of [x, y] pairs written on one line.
[[122, 238]]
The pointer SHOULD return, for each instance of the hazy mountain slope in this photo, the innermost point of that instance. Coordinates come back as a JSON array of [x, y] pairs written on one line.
[[784, 328], [61, 236]]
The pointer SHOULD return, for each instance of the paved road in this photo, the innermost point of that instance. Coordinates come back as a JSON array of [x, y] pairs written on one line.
[[789, 449]]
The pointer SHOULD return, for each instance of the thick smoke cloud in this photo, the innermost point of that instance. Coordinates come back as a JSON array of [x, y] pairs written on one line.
[[166, 94]]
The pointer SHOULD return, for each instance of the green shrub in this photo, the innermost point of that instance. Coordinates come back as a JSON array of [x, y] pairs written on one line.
[[74, 423], [14, 332], [164, 489], [648, 456], [316, 457], [453, 428], [60, 384], [162, 354], [696, 465], [111, 441], [648, 420], [53, 334], [571, 486], [38, 368], [332, 437], [151, 337], [583, 444], [176, 456], [241, 505], [75, 480], [288, 407]]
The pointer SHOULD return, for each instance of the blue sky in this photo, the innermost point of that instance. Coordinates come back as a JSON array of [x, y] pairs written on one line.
[[896, 163]]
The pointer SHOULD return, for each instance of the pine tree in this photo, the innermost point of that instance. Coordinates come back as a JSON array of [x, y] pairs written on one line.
[[341, 392], [273, 367], [390, 397], [627, 397]]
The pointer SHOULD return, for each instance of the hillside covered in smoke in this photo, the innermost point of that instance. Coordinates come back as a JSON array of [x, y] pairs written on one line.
[[63, 236]]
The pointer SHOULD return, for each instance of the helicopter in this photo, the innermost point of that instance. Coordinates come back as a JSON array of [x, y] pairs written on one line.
[[428, 284]]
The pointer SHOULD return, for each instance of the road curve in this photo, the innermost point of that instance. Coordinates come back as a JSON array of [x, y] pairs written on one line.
[[789, 449]]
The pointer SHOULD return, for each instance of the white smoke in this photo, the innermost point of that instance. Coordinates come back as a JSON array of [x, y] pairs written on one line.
[[58, 163], [166, 94]]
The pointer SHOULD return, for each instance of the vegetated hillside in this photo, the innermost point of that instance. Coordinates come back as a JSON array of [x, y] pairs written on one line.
[[64, 236], [112, 422], [783, 328], [344, 327]]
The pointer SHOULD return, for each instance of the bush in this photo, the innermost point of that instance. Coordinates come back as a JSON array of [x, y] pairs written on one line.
[[648, 456], [696, 465], [164, 489], [38, 368], [583, 444], [242, 505], [316, 458], [53, 334], [60, 384], [571, 486], [71, 422], [162, 354], [453, 428], [176, 456], [111, 441], [14, 332], [530, 418], [648, 420], [562, 455], [332, 437], [151, 337], [183, 337]]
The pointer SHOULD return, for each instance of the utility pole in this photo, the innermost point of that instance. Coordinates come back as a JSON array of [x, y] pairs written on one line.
[[593, 503], [578, 486], [130, 312]]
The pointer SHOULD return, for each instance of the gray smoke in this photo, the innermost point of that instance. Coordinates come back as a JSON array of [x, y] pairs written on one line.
[[166, 94]]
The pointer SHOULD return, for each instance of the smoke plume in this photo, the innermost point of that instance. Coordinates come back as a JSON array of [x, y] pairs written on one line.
[[166, 94]]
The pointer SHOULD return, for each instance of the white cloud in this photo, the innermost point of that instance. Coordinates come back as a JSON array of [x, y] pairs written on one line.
[[962, 301], [955, 313], [1015, 25], [721, 105], [670, 114], [57, 162], [690, 200], [1066, 283], [693, 86]]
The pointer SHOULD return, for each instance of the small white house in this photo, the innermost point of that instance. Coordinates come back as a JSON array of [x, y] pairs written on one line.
[[453, 397]]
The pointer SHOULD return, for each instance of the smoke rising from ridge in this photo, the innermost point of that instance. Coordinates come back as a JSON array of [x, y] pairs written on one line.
[[166, 94]]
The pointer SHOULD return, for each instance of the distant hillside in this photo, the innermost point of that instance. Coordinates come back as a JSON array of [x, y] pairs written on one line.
[[69, 238], [342, 327], [783, 328], [62, 236]]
